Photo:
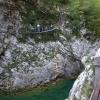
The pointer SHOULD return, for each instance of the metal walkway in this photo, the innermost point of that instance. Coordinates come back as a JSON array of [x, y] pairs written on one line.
[[44, 31]]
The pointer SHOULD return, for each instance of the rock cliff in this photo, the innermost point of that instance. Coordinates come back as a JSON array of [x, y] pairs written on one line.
[[27, 63], [83, 86]]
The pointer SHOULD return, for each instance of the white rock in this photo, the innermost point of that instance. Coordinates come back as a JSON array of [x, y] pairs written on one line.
[[77, 89], [1, 70], [97, 54], [8, 54], [18, 82]]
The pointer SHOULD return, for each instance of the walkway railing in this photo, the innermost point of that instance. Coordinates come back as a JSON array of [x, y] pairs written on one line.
[[96, 91], [40, 29], [45, 31]]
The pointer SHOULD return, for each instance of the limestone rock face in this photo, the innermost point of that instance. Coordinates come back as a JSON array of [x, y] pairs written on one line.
[[97, 58], [9, 24], [83, 85], [28, 63]]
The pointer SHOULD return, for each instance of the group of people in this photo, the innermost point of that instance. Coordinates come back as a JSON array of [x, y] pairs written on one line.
[[40, 28]]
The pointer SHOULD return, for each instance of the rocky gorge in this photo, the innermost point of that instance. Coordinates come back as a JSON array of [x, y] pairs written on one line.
[[30, 63], [83, 86], [27, 63]]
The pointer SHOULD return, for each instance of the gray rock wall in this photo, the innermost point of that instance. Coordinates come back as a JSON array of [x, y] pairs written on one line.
[[83, 86], [29, 63]]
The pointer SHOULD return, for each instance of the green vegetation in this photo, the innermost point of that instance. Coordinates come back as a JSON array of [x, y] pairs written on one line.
[[88, 88], [39, 11], [47, 12], [87, 11]]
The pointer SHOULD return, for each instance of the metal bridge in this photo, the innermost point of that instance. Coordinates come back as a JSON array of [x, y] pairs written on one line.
[[41, 29]]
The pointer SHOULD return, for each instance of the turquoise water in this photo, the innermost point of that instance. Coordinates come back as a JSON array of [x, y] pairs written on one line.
[[55, 91]]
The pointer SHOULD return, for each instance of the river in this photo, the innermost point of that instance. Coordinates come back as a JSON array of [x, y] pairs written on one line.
[[58, 90]]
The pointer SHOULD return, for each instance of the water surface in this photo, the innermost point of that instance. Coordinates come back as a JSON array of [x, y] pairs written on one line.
[[54, 91]]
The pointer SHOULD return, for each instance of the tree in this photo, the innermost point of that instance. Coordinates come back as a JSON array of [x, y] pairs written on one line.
[[48, 12]]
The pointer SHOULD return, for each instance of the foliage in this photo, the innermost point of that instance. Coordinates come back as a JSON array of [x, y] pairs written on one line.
[[47, 12], [87, 11], [39, 11]]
